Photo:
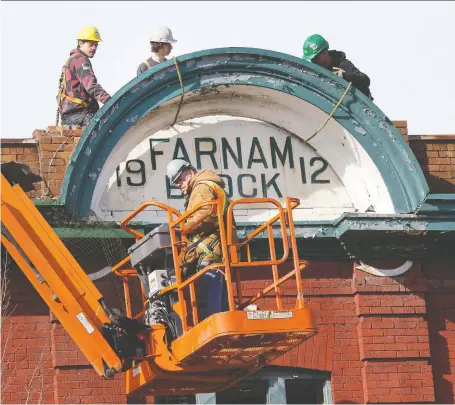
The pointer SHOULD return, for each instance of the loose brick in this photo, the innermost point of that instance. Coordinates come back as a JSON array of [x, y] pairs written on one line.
[[49, 147], [43, 140], [439, 161], [434, 168], [443, 175], [447, 153]]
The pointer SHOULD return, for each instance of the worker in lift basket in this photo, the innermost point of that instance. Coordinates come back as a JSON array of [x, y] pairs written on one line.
[[199, 187], [79, 90], [161, 42], [316, 50]]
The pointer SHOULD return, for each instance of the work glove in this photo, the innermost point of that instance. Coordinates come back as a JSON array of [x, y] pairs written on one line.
[[338, 71]]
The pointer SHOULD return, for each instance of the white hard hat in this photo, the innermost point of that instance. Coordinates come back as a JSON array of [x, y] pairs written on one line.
[[162, 34], [175, 168]]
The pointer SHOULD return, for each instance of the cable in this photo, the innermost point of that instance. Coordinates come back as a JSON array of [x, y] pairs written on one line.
[[331, 114]]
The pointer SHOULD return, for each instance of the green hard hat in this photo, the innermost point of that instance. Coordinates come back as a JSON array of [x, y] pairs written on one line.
[[314, 45]]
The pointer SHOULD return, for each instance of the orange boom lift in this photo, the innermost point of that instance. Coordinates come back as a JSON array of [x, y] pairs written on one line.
[[178, 354]]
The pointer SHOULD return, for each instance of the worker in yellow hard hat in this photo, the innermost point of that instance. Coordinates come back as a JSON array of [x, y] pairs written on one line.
[[161, 42], [79, 91]]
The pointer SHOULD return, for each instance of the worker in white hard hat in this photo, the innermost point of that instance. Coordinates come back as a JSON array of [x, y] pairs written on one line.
[[161, 42], [198, 187]]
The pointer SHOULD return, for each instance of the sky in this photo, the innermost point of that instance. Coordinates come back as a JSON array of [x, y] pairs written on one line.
[[406, 48]]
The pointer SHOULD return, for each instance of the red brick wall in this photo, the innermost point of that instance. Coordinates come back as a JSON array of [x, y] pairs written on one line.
[[48, 154], [382, 339], [55, 147], [436, 155], [393, 335], [441, 320], [22, 150], [41, 363]]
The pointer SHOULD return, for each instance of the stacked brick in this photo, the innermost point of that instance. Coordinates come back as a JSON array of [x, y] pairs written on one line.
[[48, 154], [402, 127], [436, 155], [55, 147]]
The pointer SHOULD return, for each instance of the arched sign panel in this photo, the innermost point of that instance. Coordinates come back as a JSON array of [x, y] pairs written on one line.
[[247, 114], [254, 158]]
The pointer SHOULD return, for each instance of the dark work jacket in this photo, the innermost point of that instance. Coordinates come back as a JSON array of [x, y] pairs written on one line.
[[143, 66], [358, 79], [80, 83]]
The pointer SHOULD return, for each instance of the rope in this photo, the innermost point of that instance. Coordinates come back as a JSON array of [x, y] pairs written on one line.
[[181, 88], [331, 114], [43, 191], [57, 117], [52, 160]]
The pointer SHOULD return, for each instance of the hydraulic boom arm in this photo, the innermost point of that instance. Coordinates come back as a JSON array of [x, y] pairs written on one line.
[[57, 277], [172, 350]]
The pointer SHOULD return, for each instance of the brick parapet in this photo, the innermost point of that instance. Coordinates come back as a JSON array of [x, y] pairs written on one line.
[[49, 151]]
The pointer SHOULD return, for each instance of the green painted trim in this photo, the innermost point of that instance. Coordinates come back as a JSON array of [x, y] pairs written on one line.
[[348, 223], [354, 222], [351, 222], [253, 67], [443, 197], [435, 207], [438, 204], [348, 237], [46, 203], [88, 233]]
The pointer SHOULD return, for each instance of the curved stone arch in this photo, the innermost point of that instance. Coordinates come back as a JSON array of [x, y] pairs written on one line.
[[210, 72]]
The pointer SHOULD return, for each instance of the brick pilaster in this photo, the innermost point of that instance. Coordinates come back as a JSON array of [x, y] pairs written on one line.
[[402, 126], [394, 337]]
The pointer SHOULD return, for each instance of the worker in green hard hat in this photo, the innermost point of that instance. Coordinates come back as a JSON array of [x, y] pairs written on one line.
[[316, 50]]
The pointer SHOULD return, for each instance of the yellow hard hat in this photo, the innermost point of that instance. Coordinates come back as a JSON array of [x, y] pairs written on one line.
[[89, 33]]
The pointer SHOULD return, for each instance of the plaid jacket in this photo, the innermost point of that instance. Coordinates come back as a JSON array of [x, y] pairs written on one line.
[[79, 82]]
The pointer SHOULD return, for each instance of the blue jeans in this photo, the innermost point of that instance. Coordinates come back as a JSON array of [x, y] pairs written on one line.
[[81, 118], [211, 294]]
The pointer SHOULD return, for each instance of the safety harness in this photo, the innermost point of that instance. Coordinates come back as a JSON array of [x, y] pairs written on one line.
[[198, 241], [62, 89]]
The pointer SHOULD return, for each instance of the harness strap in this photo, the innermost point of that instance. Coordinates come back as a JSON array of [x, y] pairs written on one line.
[[221, 190], [199, 243], [209, 252], [147, 63], [62, 91], [74, 100]]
